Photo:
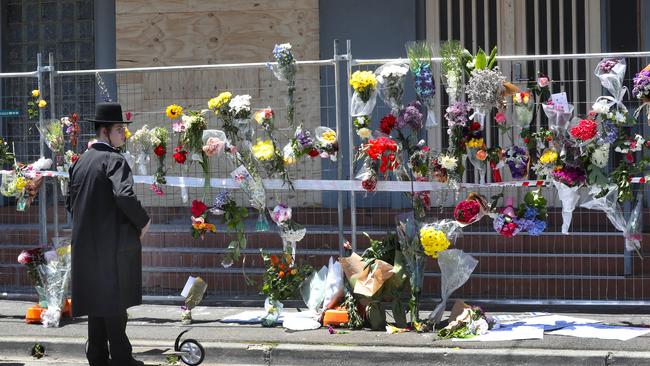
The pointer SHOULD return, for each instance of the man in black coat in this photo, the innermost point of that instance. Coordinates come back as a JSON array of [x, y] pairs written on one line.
[[108, 222]]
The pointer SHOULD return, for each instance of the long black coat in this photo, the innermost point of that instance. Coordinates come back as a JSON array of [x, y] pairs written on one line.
[[107, 220]]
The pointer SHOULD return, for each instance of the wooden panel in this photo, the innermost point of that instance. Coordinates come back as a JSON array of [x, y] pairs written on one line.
[[174, 6], [192, 32]]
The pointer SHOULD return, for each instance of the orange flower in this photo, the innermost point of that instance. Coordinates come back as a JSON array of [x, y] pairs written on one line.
[[203, 226], [282, 266], [274, 260], [281, 274], [481, 155], [294, 271]]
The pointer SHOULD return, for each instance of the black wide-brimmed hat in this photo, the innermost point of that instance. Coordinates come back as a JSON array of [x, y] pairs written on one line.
[[108, 113]]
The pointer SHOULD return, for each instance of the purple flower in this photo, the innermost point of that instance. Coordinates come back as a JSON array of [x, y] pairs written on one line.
[[425, 87], [610, 132], [456, 114], [410, 116], [221, 199], [607, 64], [571, 176], [304, 138], [641, 84], [517, 160], [538, 227], [530, 213]]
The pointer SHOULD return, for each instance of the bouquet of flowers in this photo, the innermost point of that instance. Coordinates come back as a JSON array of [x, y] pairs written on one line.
[[273, 160], [583, 132], [477, 152], [379, 155], [200, 225], [55, 274], [438, 236], [505, 221], [233, 217], [419, 54], [32, 259], [452, 69], [471, 209], [457, 120], [35, 104], [285, 70], [160, 139], [641, 90], [303, 144], [410, 116], [16, 184], [546, 163], [532, 214], [72, 129], [53, 135], [484, 91], [409, 244], [143, 141], [254, 188], [220, 105], [281, 281], [326, 142], [362, 126], [523, 108], [444, 169], [496, 160], [558, 117], [567, 180], [194, 124], [6, 153], [518, 160], [291, 232], [390, 79], [387, 123], [364, 84], [611, 72], [470, 322]]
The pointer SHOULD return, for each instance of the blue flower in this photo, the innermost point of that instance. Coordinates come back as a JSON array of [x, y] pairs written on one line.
[[538, 227], [530, 213]]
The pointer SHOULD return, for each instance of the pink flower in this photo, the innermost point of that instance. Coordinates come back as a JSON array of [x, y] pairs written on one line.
[[213, 146], [281, 213], [25, 257], [500, 118], [178, 126], [543, 81], [157, 190], [630, 158], [128, 116]]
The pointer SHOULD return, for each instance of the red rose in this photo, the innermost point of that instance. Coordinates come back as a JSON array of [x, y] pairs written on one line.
[[313, 153], [369, 184], [585, 130], [387, 123], [630, 158], [475, 126], [526, 140], [74, 158], [198, 208], [180, 155], [508, 230], [467, 211], [159, 150]]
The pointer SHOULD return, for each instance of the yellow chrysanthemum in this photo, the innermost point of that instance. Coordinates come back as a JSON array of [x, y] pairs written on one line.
[[329, 136], [36, 93], [174, 111], [217, 103], [363, 81], [42, 103], [475, 143], [548, 157], [433, 241], [263, 150], [21, 182], [127, 133]]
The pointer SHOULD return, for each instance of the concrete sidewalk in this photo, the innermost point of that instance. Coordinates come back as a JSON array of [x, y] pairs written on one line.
[[153, 329]]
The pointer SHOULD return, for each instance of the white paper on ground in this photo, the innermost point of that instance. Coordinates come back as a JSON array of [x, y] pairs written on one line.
[[304, 320], [188, 286], [250, 317], [602, 331], [507, 334], [504, 318], [550, 322]]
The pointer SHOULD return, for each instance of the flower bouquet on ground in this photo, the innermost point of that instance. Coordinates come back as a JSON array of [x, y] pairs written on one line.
[[523, 106], [55, 274], [291, 232], [160, 139], [233, 217], [419, 54], [281, 281], [471, 209], [364, 84], [641, 91], [326, 142], [567, 180], [193, 293], [32, 259], [466, 321], [200, 225], [518, 160], [254, 188], [143, 144], [390, 80], [285, 70]]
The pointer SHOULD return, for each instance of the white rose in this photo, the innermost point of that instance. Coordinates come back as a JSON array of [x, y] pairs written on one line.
[[364, 133]]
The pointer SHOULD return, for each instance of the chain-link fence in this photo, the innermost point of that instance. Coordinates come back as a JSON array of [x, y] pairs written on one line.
[[590, 264]]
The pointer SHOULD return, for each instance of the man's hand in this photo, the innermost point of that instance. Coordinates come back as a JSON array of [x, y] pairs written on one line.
[[145, 229]]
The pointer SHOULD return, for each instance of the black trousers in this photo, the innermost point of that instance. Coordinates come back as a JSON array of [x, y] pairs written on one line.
[[106, 333]]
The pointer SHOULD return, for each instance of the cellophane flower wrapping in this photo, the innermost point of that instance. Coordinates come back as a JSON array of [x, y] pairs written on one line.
[[523, 108], [409, 241], [569, 196], [55, 274], [390, 83], [633, 228], [456, 267], [291, 232], [361, 108], [254, 188], [142, 141], [558, 118], [611, 73]]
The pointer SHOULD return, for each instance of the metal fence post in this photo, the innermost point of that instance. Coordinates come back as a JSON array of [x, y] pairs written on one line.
[[353, 203], [55, 191], [339, 163], [42, 201]]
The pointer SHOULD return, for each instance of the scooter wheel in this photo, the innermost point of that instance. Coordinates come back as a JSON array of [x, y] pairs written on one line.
[[193, 352]]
